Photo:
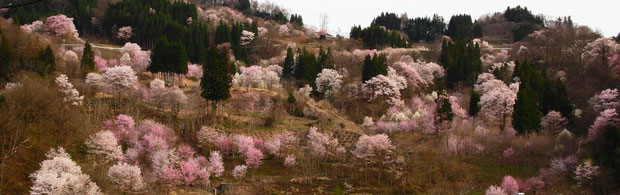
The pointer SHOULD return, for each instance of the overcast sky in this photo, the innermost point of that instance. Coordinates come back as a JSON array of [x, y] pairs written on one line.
[[601, 15]]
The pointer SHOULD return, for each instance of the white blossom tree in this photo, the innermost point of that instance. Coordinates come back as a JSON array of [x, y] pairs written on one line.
[[72, 95], [328, 82], [61, 175], [126, 177], [103, 147]]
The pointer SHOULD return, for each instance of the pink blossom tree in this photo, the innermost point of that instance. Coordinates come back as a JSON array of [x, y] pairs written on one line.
[[216, 164], [319, 143], [60, 25], [126, 177], [122, 127], [606, 99], [495, 190], [586, 172], [289, 161], [124, 33], [328, 82], [607, 117], [554, 122], [58, 174], [601, 48], [194, 71], [246, 37], [103, 147], [510, 185], [116, 80], [239, 171], [253, 157], [192, 172], [498, 104], [138, 60]]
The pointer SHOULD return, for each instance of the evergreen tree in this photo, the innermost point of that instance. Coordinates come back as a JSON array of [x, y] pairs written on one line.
[[307, 67], [462, 63], [424, 29], [477, 30], [216, 78], [374, 66], [6, 57], [389, 20], [474, 108], [606, 153], [45, 62], [444, 109], [168, 58], [460, 27], [289, 64], [222, 33], [244, 6], [88, 59], [525, 117]]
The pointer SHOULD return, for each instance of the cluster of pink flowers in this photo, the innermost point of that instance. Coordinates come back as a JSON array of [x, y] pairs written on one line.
[[194, 71], [554, 122], [320, 144], [126, 177], [607, 117], [606, 99], [418, 74], [258, 77], [600, 48], [373, 148], [246, 37], [385, 86], [139, 60], [57, 25], [124, 33], [328, 82]]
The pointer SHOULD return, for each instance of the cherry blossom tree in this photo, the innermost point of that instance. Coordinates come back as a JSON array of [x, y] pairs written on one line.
[[606, 99], [244, 143], [36, 26], [246, 37], [289, 161], [60, 25], [554, 122], [103, 147], [319, 143], [192, 171], [328, 82], [171, 97], [61, 175], [253, 157], [497, 105], [284, 30], [495, 190], [72, 95], [207, 134], [305, 91], [370, 146], [216, 165], [194, 71], [70, 56], [586, 172], [600, 48], [262, 31], [139, 60], [126, 177], [116, 80], [385, 87], [607, 117], [239, 171], [273, 146], [124, 33], [534, 183], [122, 127], [259, 77], [510, 185]]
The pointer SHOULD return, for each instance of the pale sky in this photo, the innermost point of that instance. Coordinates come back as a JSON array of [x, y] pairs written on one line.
[[600, 15]]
